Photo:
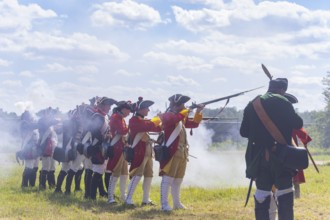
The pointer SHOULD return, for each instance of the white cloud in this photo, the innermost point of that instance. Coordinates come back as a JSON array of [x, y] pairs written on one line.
[[20, 17], [235, 13], [86, 79], [12, 83], [24, 105], [41, 93], [126, 73], [211, 41], [56, 67], [128, 14], [26, 73], [300, 80], [180, 81], [52, 44], [200, 20], [80, 69], [216, 4], [5, 63], [219, 79], [181, 62]]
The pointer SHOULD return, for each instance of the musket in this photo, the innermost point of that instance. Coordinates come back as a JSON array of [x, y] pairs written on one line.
[[192, 156], [194, 105], [207, 118], [310, 156]]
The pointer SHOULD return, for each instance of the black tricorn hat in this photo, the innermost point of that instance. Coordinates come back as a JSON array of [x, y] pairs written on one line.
[[178, 99], [93, 100], [124, 104], [278, 83], [106, 101], [293, 99], [141, 104]]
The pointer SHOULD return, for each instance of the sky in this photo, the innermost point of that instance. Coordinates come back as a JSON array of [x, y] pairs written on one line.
[[62, 53]]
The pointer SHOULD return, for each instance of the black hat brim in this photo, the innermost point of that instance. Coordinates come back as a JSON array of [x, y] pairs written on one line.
[[145, 104], [291, 98], [107, 101], [179, 99]]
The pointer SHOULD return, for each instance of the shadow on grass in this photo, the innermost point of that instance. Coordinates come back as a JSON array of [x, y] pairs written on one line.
[[101, 206], [76, 201]]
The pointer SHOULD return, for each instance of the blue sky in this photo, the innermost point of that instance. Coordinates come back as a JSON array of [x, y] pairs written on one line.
[[61, 53]]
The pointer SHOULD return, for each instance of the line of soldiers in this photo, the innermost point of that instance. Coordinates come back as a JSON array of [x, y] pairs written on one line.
[[99, 144]]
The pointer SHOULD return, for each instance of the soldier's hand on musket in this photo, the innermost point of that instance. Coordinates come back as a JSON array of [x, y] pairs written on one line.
[[200, 107]]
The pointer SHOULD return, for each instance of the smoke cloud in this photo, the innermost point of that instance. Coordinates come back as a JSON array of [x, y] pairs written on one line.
[[210, 169], [9, 144]]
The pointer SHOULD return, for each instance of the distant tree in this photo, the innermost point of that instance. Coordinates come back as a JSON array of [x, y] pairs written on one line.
[[323, 119]]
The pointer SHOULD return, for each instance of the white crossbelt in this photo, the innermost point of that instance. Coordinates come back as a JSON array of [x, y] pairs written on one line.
[[175, 133]]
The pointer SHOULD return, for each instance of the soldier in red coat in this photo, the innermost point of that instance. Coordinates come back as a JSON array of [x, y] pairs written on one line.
[[30, 138], [304, 138], [172, 169], [141, 143], [47, 143], [99, 129], [117, 165], [302, 135]]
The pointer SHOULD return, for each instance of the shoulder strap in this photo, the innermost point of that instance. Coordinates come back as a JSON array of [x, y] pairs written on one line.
[[26, 139], [87, 137], [115, 139], [174, 135], [267, 122], [45, 136], [137, 138]]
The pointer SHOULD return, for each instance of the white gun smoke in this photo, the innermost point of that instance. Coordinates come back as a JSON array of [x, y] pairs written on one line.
[[210, 169]]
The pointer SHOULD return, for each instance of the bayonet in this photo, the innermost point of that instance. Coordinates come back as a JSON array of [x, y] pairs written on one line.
[[266, 72]]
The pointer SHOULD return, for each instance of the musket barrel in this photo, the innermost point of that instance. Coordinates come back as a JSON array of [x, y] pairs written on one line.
[[223, 98]]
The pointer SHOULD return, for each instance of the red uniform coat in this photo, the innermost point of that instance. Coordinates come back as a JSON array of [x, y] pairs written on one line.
[[136, 125], [169, 121], [305, 139], [117, 126]]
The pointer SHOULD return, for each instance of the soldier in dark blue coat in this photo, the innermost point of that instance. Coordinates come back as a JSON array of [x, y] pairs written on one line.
[[261, 162]]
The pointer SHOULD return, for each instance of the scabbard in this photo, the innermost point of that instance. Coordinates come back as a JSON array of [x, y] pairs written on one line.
[[249, 192], [310, 156]]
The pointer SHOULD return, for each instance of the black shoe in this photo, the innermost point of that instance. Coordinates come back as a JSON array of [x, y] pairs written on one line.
[[105, 195], [130, 206], [148, 204], [58, 191]]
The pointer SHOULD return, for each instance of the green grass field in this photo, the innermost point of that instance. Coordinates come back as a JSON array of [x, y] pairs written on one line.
[[216, 203]]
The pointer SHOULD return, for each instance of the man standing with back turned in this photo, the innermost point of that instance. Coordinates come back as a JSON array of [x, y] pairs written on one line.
[[261, 162]]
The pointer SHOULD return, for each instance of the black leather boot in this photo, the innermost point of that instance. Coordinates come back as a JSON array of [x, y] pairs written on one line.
[[261, 210], [96, 179], [33, 176], [42, 179], [51, 179], [60, 178], [68, 184], [285, 207], [88, 182], [77, 179], [25, 177]]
